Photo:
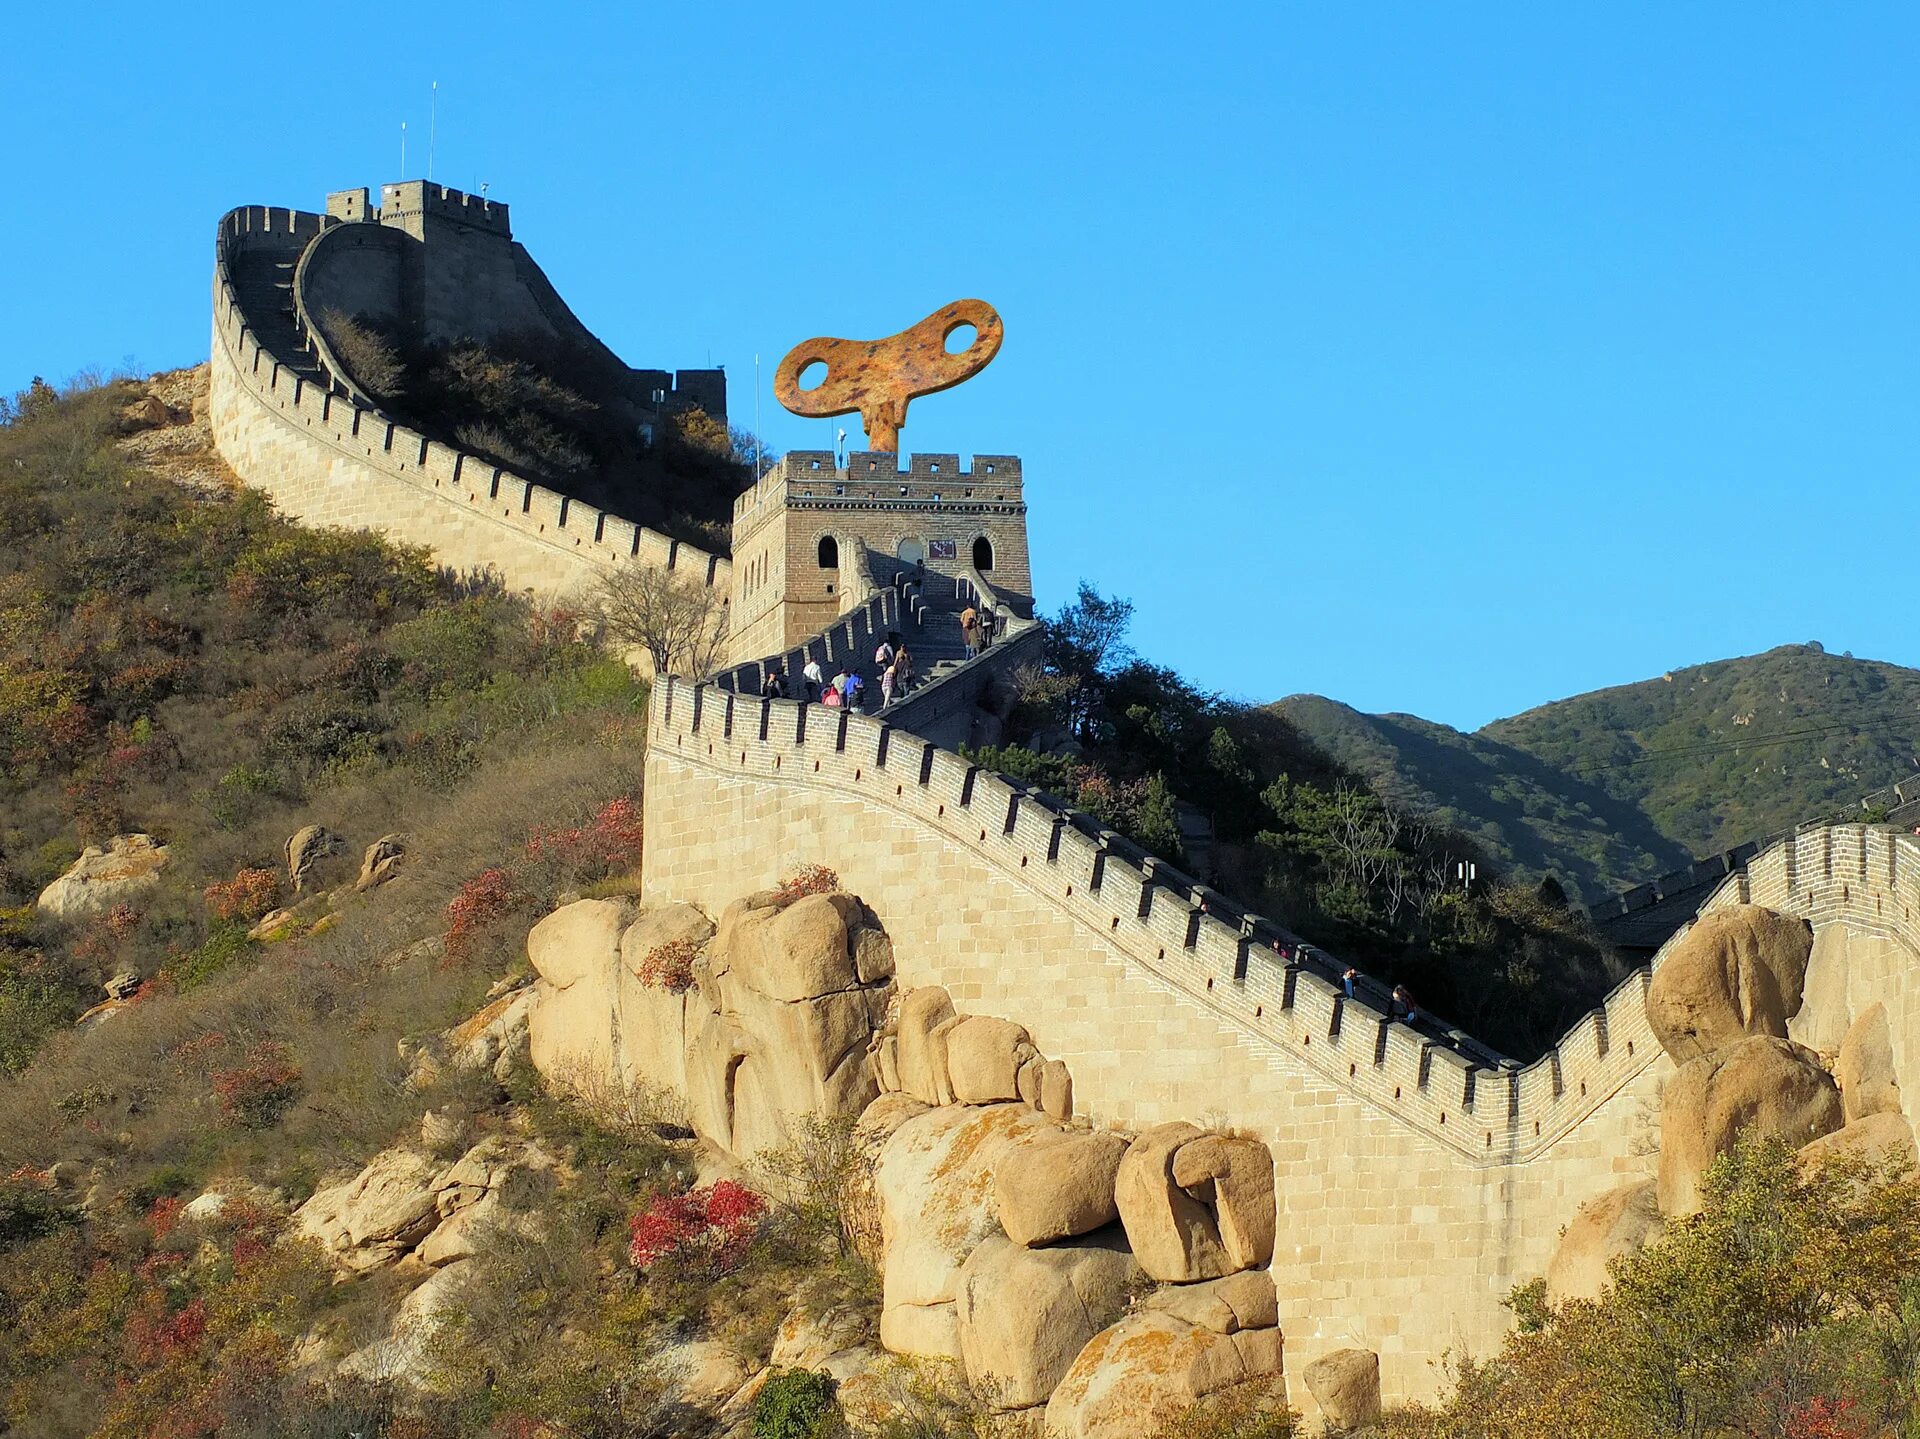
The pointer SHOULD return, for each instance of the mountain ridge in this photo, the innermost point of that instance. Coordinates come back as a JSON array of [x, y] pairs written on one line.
[[1609, 788]]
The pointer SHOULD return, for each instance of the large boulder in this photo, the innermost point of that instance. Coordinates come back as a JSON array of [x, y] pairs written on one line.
[[1737, 972], [1823, 1017], [1876, 1140], [571, 1030], [1152, 1366], [1062, 1186], [379, 1214], [118, 872], [1771, 1086], [1200, 1215], [923, 1014], [1865, 1072], [1346, 1386], [1246, 1300], [984, 1057], [497, 1184], [652, 1005], [1025, 1314], [935, 1183], [1234, 1178], [785, 1023], [1622, 1221]]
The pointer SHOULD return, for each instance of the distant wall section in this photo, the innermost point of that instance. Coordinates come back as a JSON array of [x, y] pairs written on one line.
[[326, 458]]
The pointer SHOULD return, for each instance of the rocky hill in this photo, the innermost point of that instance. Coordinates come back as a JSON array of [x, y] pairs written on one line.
[[1606, 789], [1720, 753], [1527, 813]]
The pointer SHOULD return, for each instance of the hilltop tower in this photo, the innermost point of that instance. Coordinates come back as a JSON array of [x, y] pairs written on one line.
[[800, 535]]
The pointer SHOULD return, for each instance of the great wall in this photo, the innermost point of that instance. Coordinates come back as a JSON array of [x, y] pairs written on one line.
[[1419, 1175]]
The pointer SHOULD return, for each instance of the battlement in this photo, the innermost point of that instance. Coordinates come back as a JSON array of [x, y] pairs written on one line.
[[876, 478], [329, 456], [441, 202]]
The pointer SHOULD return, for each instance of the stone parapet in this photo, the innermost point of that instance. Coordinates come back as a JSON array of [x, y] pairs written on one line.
[[328, 457]]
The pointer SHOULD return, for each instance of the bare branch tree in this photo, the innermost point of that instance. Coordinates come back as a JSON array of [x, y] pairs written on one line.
[[679, 622]]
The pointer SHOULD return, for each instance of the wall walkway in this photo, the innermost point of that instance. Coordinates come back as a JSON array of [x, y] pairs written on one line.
[[326, 457]]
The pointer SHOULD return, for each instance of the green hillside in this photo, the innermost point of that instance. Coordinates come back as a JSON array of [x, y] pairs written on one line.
[[1724, 752], [1526, 813]]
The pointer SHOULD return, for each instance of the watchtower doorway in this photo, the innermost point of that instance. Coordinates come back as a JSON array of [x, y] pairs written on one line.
[[983, 554], [911, 552]]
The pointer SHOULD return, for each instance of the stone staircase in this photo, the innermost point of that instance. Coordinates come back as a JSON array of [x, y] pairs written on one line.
[[263, 283]]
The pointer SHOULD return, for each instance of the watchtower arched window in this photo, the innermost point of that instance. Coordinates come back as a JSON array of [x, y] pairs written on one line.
[[983, 554], [829, 553]]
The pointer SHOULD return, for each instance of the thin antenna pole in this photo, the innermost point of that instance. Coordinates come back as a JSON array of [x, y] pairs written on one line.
[[403, 149], [433, 126]]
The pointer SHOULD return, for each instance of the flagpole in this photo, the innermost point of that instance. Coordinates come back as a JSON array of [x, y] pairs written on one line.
[[433, 126]]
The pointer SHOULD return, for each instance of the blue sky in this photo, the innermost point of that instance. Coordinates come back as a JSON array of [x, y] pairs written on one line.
[[1447, 359]]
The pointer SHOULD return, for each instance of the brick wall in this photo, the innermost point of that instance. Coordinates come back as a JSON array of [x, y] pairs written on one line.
[[1415, 1186]]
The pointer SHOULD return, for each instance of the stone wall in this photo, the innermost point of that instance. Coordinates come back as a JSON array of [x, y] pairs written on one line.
[[325, 459], [786, 593], [1416, 1185], [1415, 1189]]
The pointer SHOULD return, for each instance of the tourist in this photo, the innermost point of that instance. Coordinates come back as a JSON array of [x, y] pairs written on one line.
[[883, 656], [850, 692], [889, 677], [838, 686], [830, 697], [811, 674], [1349, 980], [987, 626], [970, 630], [774, 686], [1400, 1006], [903, 671]]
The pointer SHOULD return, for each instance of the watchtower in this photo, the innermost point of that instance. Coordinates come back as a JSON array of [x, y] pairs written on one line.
[[797, 535]]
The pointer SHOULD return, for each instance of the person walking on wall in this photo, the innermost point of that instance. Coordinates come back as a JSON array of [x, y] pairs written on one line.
[[1349, 980], [883, 656], [774, 686], [850, 692], [903, 671], [811, 675], [988, 624], [970, 630], [889, 677]]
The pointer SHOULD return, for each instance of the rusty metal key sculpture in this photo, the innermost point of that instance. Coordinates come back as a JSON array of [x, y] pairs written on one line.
[[879, 377]]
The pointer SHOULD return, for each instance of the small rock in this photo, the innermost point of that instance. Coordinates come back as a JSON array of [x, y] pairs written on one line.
[[381, 861], [1346, 1386], [306, 848]]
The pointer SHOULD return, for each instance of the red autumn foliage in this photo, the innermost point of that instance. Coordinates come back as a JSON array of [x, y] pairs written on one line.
[[670, 966], [483, 901], [1824, 1418], [806, 880], [248, 895], [705, 1231], [606, 843], [164, 1215], [256, 1093], [154, 1336]]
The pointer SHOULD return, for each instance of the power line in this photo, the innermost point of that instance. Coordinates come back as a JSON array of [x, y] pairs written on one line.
[[1734, 746]]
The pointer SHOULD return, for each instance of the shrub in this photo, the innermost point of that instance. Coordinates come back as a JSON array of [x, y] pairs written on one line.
[[369, 356], [256, 1093], [670, 966], [797, 1404], [702, 1233], [608, 842], [806, 880], [482, 906], [250, 894]]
